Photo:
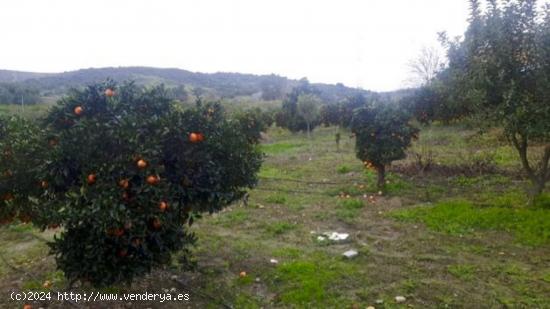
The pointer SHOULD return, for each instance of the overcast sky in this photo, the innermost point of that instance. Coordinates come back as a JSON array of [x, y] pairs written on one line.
[[361, 43]]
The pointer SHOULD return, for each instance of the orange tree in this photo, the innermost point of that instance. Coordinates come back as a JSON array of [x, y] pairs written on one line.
[[127, 172], [21, 148], [382, 133], [253, 122]]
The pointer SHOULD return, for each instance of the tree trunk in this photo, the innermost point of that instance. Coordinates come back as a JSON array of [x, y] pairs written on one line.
[[538, 178], [308, 136], [381, 177]]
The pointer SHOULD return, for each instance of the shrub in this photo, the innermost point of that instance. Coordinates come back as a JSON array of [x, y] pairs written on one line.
[[22, 146], [290, 117], [382, 134], [127, 172]]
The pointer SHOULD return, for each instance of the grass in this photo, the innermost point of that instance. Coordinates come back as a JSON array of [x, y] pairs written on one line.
[[349, 209], [279, 228], [279, 148], [463, 271], [529, 226], [450, 240], [310, 280]]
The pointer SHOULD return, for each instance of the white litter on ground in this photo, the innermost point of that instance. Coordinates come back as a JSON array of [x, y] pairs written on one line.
[[350, 254], [335, 236]]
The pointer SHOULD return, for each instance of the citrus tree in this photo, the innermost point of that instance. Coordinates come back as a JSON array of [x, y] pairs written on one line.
[[253, 122], [291, 116], [125, 173], [505, 66], [21, 148], [382, 133]]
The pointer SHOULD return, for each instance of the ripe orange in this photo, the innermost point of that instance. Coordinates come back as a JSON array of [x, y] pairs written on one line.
[[195, 137], [124, 183], [141, 164], [116, 232], [78, 110], [156, 224], [109, 92], [128, 225], [242, 274], [27, 306], [153, 179], [91, 179], [125, 196], [53, 142], [163, 206]]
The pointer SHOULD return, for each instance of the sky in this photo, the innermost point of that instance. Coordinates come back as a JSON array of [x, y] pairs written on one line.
[[360, 43]]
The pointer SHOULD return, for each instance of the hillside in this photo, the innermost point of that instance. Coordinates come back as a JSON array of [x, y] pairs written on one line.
[[221, 85], [8, 76]]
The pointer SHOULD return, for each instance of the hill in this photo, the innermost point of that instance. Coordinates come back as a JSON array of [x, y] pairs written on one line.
[[220, 85], [8, 76]]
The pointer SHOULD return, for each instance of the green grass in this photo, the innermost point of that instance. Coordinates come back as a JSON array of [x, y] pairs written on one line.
[[233, 218], [28, 111], [308, 282], [349, 210], [280, 148], [277, 198], [463, 271], [279, 228], [530, 226], [343, 169]]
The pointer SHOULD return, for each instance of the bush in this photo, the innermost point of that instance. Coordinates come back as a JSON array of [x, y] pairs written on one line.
[[252, 123], [290, 117], [21, 147], [126, 172], [383, 133]]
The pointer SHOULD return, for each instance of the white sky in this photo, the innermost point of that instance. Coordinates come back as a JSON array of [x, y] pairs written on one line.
[[365, 43]]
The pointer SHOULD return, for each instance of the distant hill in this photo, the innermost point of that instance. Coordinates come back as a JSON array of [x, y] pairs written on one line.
[[221, 85], [7, 76]]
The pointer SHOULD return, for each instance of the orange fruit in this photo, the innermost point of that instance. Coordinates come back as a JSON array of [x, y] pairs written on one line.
[[78, 110], [153, 179], [242, 274], [109, 92], [195, 137], [53, 142], [156, 224], [141, 164], [27, 306], [119, 232], [122, 253], [126, 196], [91, 179], [124, 183], [163, 206], [128, 225]]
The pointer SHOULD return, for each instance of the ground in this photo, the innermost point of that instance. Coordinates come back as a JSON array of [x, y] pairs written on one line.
[[460, 234]]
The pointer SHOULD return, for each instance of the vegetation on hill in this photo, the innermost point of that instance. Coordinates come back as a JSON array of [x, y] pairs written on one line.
[[217, 85]]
